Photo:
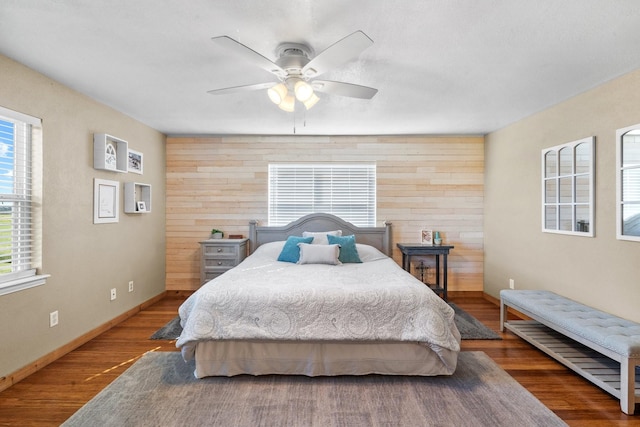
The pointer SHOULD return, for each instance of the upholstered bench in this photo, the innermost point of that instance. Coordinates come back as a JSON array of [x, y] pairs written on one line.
[[603, 348]]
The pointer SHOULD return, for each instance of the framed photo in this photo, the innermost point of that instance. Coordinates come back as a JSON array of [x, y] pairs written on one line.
[[106, 195], [135, 162], [426, 237], [141, 207]]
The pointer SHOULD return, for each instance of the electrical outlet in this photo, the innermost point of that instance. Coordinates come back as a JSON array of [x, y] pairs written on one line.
[[113, 294], [512, 284], [53, 318], [131, 286]]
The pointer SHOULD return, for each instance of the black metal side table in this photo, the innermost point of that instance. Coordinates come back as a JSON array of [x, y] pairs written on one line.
[[410, 249]]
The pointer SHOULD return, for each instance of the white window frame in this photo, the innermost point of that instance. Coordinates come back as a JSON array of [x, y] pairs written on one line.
[[620, 169], [26, 169], [573, 176], [347, 190]]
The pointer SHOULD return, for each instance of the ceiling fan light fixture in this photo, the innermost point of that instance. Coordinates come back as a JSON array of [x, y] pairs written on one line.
[[297, 66], [278, 93], [303, 90], [288, 104], [313, 99]]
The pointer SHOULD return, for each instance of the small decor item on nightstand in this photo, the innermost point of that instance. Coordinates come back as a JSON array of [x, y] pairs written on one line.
[[426, 237], [437, 240], [216, 234]]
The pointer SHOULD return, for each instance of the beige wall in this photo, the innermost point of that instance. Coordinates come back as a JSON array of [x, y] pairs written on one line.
[[432, 182], [85, 260], [602, 272]]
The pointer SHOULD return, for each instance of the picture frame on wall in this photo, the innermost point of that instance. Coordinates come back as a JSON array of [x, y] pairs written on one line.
[[135, 162], [141, 206], [426, 237], [106, 195]]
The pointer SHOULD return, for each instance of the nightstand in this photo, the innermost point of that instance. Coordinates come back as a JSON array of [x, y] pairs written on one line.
[[410, 249], [220, 255]]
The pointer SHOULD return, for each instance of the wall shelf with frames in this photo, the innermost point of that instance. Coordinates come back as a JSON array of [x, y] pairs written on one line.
[[137, 197], [110, 153]]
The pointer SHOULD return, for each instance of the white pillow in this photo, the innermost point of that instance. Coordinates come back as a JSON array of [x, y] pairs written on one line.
[[320, 237], [368, 253], [319, 254]]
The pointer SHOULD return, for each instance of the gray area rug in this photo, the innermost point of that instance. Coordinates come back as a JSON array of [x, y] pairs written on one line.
[[470, 328], [160, 390]]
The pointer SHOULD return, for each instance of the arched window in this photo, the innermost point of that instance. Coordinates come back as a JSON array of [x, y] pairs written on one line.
[[567, 188], [628, 183]]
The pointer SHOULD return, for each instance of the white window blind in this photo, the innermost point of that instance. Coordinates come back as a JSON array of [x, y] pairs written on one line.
[[16, 214], [347, 190]]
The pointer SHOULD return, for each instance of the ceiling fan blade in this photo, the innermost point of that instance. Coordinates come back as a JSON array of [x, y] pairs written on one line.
[[236, 89], [337, 54], [248, 54], [344, 89]]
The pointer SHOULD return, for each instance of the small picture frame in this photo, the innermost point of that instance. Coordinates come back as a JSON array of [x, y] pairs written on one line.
[[135, 162], [426, 237], [141, 206], [105, 201]]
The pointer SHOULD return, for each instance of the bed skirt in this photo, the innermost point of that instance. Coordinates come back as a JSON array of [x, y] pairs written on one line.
[[228, 358]]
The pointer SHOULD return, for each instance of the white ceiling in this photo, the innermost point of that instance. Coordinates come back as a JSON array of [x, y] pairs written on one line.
[[441, 66]]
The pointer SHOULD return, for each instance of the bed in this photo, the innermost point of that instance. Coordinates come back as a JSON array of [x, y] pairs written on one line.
[[315, 315]]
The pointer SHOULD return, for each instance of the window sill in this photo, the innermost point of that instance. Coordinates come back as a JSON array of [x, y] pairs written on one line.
[[23, 283]]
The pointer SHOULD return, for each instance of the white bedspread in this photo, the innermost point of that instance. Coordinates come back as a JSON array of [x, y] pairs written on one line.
[[264, 299]]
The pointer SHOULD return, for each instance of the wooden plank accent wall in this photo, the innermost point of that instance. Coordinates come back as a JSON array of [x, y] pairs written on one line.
[[435, 183]]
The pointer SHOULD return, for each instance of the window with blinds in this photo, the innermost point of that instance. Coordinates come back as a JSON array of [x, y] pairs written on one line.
[[347, 190], [16, 215]]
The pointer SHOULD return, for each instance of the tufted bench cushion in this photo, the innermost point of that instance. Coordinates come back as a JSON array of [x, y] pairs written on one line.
[[612, 338], [606, 330]]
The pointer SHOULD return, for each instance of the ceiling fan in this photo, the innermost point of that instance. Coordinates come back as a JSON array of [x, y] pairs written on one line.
[[296, 69]]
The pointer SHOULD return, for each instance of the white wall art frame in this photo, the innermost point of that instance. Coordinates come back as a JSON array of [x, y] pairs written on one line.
[[135, 162], [106, 197]]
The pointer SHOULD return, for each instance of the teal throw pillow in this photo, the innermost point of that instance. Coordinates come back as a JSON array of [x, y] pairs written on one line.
[[348, 251], [291, 252]]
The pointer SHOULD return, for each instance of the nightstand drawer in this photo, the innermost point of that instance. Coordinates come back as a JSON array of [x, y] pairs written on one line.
[[210, 275], [219, 262], [213, 250]]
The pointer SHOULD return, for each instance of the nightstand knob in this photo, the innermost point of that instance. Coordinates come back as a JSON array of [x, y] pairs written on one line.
[[219, 249], [219, 262]]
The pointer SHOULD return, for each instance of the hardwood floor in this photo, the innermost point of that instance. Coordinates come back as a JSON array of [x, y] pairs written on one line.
[[51, 395]]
